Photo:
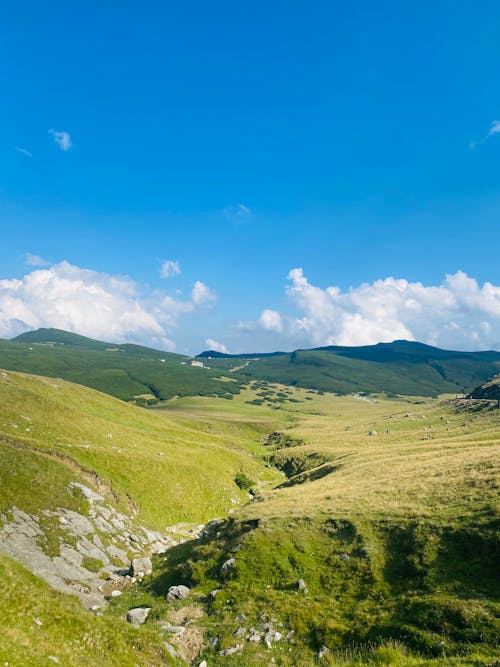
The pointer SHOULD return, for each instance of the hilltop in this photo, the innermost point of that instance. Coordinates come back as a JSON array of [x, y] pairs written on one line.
[[129, 372], [488, 390], [401, 367]]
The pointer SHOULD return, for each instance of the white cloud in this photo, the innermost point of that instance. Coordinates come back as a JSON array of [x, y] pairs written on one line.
[[458, 313], [216, 346], [271, 320], [35, 260], [494, 129], [201, 294], [169, 269], [62, 139], [238, 214], [91, 303], [23, 151]]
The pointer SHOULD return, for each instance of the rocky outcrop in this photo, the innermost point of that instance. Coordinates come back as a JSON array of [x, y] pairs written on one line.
[[75, 552]]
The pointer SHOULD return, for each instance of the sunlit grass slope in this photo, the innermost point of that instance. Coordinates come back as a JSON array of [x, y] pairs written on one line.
[[39, 625], [163, 469], [396, 535]]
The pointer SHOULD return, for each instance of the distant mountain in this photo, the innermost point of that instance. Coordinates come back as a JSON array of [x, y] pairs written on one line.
[[401, 367], [129, 372], [213, 354]]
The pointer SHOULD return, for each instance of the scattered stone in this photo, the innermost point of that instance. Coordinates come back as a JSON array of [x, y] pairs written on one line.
[[203, 663], [170, 650], [138, 615], [240, 632], [230, 651], [213, 642], [254, 637], [87, 493], [37, 621], [116, 593], [301, 585], [241, 618], [372, 432], [290, 635], [177, 593], [213, 594], [228, 565], [324, 650], [53, 658], [344, 557], [140, 566]]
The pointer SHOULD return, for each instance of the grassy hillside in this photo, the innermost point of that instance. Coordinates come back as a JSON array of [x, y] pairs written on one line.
[[167, 469], [386, 509], [488, 390], [128, 372], [396, 536], [401, 367], [40, 625]]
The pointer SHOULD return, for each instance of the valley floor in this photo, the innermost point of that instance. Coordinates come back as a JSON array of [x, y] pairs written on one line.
[[364, 531]]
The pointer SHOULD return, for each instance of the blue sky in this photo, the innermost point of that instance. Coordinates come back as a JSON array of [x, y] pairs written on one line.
[[244, 140]]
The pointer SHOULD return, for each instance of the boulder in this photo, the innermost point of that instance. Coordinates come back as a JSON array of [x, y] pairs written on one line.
[[228, 565], [177, 593], [138, 615], [372, 432], [140, 566]]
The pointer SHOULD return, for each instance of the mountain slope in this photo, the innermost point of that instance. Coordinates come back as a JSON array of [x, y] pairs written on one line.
[[129, 372], [401, 367]]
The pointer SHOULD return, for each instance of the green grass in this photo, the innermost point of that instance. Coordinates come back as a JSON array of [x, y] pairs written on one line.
[[128, 372], [394, 368], [37, 622], [164, 469], [415, 508]]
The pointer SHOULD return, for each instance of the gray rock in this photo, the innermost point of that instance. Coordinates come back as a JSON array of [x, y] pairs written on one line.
[[87, 493], [170, 650], [324, 650], [177, 630], [213, 594], [138, 615], [254, 636], [344, 557], [177, 593], [301, 585], [240, 632], [241, 618], [230, 651], [228, 565], [203, 663], [140, 566], [372, 432]]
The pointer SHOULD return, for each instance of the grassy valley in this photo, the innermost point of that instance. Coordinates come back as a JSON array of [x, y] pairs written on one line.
[[401, 367], [344, 530]]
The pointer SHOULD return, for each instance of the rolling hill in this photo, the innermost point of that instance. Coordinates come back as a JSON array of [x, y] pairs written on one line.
[[401, 367], [129, 372]]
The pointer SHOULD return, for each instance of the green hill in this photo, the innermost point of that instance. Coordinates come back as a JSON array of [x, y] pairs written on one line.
[[488, 390], [401, 367], [386, 509], [128, 372]]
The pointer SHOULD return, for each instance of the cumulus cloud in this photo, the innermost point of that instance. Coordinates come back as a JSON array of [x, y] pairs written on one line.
[[238, 214], [62, 139], [202, 295], [271, 320], [458, 313], [35, 260], [216, 346], [95, 304], [169, 269]]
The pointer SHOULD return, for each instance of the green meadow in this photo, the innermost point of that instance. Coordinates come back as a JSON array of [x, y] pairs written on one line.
[[387, 509]]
